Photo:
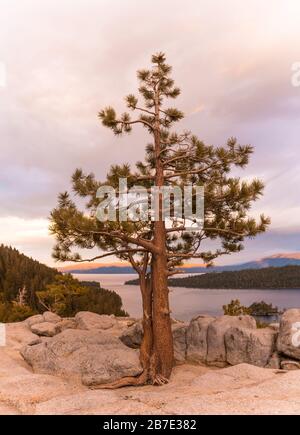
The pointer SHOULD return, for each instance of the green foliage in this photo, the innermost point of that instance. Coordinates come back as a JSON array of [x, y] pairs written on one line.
[[13, 312], [58, 296], [263, 309], [184, 159], [44, 288], [256, 309], [265, 278], [18, 271], [66, 296], [234, 308]]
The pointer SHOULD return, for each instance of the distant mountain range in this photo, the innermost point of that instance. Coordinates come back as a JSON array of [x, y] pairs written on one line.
[[277, 260]]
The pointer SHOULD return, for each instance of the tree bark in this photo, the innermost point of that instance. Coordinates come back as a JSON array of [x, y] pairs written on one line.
[[156, 353], [147, 342], [162, 357], [162, 334]]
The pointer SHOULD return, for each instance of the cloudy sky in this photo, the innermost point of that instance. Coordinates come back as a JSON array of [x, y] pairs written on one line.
[[65, 60]]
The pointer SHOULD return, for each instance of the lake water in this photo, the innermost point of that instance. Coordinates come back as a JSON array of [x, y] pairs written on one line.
[[187, 303]]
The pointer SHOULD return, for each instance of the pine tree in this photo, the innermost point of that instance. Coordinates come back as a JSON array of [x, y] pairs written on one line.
[[154, 248]]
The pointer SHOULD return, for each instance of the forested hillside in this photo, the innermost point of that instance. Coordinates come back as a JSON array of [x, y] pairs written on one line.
[[20, 272], [28, 287], [268, 278]]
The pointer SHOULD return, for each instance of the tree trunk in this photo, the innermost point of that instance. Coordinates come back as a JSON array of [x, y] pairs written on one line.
[[162, 334], [162, 357], [147, 342], [156, 353]]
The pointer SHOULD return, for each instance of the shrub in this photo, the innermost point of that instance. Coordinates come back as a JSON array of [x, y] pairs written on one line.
[[235, 308]]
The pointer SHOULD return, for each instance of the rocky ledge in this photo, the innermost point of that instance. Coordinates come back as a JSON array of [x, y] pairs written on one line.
[[49, 364], [99, 348], [229, 340]]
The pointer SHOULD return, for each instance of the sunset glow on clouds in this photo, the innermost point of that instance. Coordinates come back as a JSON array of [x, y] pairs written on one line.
[[65, 60]]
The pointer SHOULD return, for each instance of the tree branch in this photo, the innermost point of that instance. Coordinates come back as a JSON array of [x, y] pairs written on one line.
[[196, 171], [149, 246], [116, 252], [221, 230], [138, 121], [145, 110]]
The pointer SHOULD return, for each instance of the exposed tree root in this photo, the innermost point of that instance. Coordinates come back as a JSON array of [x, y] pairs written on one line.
[[132, 381], [128, 381], [160, 380]]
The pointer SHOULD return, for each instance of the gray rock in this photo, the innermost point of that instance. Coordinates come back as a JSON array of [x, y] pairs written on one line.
[[51, 317], [45, 329], [93, 357], [251, 346], [176, 321], [179, 340], [132, 337], [290, 365], [196, 338], [216, 351], [126, 321], [34, 320], [18, 335], [88, 321], [289, 334], [66, 324]]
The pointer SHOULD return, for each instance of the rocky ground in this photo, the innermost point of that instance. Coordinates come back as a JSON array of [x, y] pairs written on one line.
[[49, 364]]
